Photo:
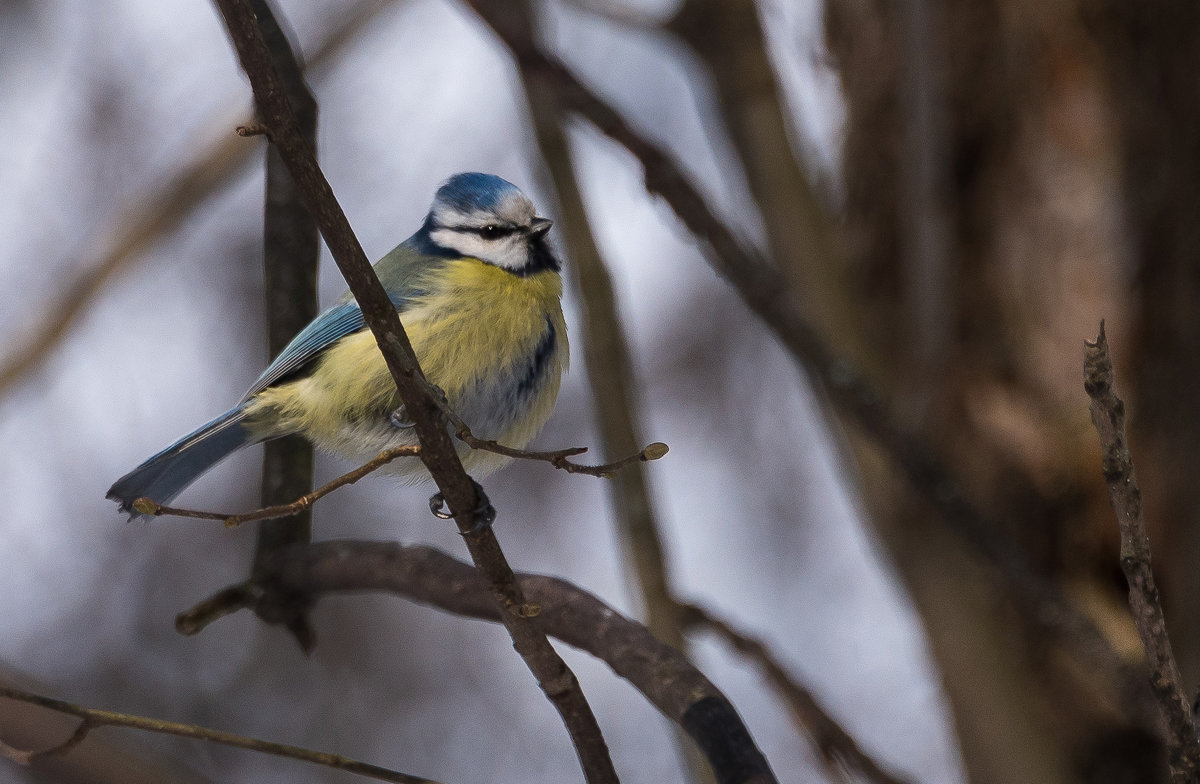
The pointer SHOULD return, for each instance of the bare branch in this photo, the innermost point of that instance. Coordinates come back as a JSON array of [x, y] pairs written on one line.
[[92, 718], [465, 497], [663, 674], [1108, 415], [556, 457], [148, 506]]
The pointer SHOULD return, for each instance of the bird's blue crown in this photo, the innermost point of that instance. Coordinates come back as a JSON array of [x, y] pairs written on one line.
[[473, 191]]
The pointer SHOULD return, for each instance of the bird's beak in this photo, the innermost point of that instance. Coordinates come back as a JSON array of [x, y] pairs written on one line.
[[539, 226]]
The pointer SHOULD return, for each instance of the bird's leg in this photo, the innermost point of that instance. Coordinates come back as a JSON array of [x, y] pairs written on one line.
[[484, 513]]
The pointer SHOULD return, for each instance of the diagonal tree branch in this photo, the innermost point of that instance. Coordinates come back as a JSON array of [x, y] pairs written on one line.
[[1108, 415], [728, 36], [611, 379], [606, 351], [465, 498]]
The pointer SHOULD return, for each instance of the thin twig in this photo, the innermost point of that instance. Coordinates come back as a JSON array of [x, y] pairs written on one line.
[[556, 457], [465, 498], [147, 506], [830, 738], [92, 718], [1108, 415]]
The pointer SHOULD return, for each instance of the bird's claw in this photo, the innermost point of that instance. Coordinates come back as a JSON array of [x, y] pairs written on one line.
[[484, 514], [436, 502]]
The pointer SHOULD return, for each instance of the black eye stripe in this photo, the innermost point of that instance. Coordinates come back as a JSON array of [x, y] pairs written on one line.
[[492, 231]]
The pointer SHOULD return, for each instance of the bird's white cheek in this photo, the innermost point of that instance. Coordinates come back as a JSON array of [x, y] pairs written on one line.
[[514, 255], [466, 244], [510, 253]]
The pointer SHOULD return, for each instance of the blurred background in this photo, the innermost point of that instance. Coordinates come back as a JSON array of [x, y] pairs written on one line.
[[957, 192]]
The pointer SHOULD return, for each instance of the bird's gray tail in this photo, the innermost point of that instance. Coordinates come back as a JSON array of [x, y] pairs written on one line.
[[167, 473]]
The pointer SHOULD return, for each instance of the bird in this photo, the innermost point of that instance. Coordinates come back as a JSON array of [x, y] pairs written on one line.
[[479, 292]]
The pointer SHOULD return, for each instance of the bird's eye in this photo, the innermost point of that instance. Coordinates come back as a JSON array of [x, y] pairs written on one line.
[[494, 232]]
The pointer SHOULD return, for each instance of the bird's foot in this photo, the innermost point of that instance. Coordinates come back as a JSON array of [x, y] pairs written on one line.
[[484, 514]]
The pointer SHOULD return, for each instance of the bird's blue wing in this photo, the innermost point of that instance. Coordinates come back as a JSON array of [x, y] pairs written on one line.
[[398, 272], [325, 330]]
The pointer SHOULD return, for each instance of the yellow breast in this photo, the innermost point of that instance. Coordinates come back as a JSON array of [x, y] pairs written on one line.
[[474, 330], [478, 319]]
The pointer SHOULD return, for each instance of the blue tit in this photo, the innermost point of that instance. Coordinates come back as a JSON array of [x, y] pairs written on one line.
[[479, 293]]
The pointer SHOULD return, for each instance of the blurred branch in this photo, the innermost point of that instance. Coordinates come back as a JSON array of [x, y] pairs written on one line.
[[464, 496], [663, 674], [153, 215], [924, 173], [291, 252], [148, 506], [611, 377], [830, 738], [764, 289], [91, 718], [610, 368], [727, 36], [1108, 415]]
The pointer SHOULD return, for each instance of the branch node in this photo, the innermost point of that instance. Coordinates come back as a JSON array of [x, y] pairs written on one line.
[[527, 610], [145, 506]]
